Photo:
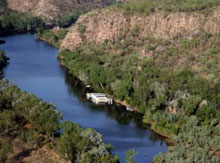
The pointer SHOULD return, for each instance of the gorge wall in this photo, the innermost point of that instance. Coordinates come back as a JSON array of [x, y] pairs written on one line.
[[110, 24], [50, 9]]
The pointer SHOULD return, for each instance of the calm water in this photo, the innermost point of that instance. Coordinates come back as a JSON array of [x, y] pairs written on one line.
[[34, 68]]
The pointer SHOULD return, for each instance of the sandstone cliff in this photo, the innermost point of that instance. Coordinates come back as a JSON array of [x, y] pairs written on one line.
[[109, 24], [50, 9]]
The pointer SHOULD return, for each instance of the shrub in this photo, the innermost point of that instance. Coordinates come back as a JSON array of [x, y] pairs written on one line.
[[66, 20], [81, 28]]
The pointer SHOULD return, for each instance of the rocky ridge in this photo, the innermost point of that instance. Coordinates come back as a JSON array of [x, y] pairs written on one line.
[[51, 9], [110, 24]]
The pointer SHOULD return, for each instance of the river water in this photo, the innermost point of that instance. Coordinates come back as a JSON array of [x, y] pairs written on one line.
[[34, 68]]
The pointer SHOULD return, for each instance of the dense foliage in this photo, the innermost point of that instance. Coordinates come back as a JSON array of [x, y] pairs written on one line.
[[174, 83], [147, 82], [67, 20], [53, 37], [195, 143], [19, 23], [25, 117], [3, 7], [14, 22], [149, 6], [3, 60], [129, 156], [153, 76]]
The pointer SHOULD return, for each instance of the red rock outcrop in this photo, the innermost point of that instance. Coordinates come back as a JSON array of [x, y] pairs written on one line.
[[50, 9], [110, 24]]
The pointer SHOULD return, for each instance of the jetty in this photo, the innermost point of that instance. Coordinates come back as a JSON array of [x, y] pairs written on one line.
[[99, 98]]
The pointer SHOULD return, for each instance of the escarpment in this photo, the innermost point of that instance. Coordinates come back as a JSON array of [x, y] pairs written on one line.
[[48, 9], [111, 24]]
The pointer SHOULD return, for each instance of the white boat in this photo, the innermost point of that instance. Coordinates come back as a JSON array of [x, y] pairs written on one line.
[[98, 98]]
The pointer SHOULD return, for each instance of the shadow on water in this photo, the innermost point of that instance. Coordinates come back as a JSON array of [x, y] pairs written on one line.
[[34, 68], [116, 111]]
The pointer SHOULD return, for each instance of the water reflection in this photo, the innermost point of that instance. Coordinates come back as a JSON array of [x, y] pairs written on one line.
[[34, 68], [116, 111]]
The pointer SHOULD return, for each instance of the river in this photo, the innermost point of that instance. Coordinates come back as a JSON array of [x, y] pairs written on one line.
[[34, 68]]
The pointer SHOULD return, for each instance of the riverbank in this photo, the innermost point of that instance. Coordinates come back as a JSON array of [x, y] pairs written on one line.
[[41, 129], [48, 42], [151, 72], [53, 37], [167, 137], [166, 124], [31, 68], [30, 129], [167, 98], [3, 60], [38, 56]]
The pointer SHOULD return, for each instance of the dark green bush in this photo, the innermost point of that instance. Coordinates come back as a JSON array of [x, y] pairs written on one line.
[[20, 109], [14, 22], [66, 20], [3, 59]]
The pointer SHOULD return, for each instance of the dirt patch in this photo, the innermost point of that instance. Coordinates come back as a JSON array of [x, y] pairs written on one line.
[[26, 153]]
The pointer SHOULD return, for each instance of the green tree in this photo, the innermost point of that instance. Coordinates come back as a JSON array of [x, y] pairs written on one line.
[[191, 104], [45, 121], [129, 156], [5, 150], [3, 59]]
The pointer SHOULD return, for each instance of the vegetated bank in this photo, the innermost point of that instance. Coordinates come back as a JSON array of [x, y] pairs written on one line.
[[53, 36], [55, 9], [36, 16], [31, 130], [163, 60], [3, 60], [13, 22], [31, 126]]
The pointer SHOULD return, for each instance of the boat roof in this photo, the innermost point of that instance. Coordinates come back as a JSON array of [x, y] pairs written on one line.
[[98, 94]]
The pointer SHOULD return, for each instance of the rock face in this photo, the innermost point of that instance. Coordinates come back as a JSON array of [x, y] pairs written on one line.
[[50, 9], [110, 24]]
